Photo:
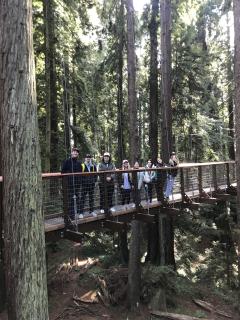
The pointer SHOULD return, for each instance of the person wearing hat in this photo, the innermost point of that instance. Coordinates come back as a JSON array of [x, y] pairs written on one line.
[[173, 162], [126, 184], [72, 165], [88, 185], [106, 165]]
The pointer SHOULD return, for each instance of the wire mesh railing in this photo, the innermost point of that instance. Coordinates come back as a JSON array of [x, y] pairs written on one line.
[[106, 193]]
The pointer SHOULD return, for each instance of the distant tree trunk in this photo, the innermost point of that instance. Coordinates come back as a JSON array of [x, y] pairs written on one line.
[[231, 151], [134, 270], [153, 82], [166, 87], [236, 12], [24, 239], [165, 17], [132, 101], [51, 90], [66, 105], [121, 151]]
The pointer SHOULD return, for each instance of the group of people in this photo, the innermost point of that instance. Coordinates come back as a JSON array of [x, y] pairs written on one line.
[[81, 186]]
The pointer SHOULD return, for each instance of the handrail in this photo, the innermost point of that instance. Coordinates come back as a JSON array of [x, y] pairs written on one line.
[[182, 165]]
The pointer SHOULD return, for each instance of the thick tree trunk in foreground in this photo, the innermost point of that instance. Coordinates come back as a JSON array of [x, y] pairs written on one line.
[[22, 200], [165, 18], [153, 82], [132, 100], [2, 270], [236, 12]]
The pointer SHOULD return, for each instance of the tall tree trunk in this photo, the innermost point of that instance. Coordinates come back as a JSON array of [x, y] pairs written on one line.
[[2, 269], [231, 151], [134, 270], [153, 116], [165, 17], [166, 87], [121, 149], [22, 189], [236, 12], [132, 100], [66, 105], [153, 82], [51, 163]]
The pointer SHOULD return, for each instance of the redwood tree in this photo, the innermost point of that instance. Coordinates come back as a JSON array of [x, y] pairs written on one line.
[[134, 271], [166, 87], [166, 233], [153, 82], [236, 11], [22, 191]]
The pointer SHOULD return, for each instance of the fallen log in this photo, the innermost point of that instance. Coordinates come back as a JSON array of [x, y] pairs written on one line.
[[171, 316], [211, 308]]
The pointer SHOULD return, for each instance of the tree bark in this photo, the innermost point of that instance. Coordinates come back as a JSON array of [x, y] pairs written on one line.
[[236, 13], [22, 189], [132, 101], [66, 105], [231, 150], [153, 82], [165, 18], [2, 269], [134, 270], [51, 161], [121, 149]]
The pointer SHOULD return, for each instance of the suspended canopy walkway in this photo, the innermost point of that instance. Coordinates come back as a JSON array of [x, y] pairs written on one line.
[[196, 184]]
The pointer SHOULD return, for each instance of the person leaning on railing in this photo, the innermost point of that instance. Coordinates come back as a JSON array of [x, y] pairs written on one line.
[[108, 179]]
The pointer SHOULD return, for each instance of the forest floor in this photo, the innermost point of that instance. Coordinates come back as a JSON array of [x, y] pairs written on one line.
[[73, 291]]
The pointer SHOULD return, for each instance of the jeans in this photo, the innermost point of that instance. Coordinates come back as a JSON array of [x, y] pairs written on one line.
[[169, 185]]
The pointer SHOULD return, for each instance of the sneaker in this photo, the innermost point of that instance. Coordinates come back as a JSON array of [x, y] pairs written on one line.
[[101, 211], [81, 216], [94, 214]]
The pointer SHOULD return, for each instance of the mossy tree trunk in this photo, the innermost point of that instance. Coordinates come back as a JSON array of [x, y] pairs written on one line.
[[22, 189]]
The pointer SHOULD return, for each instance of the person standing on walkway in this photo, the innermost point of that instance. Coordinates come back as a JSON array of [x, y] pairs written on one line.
[[173, 162], [73, 184], [108, 179], [126, 184], [88, 185]]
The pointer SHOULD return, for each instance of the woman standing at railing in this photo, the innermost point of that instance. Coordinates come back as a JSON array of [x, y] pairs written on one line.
[[126, 183], [106, 165], [148, 179]]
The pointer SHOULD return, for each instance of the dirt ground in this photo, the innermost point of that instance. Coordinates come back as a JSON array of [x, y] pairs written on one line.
[[69, 283]]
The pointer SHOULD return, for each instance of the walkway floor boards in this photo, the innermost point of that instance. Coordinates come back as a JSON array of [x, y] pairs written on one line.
[[57, 223]]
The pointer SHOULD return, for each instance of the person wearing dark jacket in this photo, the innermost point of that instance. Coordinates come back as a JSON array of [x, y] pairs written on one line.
[[88, 185], [173, 162], [73, 182], [108, 179], [126, 183]]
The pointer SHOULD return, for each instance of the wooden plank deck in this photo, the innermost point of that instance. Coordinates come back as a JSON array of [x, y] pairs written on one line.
[[57, 223]]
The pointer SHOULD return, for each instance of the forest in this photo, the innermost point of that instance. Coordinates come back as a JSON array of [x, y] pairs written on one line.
[[137, 80]]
